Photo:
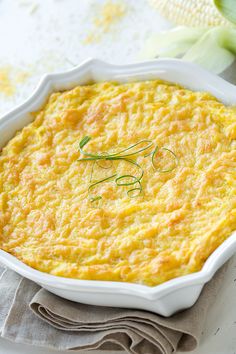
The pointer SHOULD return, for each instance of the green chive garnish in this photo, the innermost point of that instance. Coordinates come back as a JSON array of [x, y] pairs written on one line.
[[105, 161]]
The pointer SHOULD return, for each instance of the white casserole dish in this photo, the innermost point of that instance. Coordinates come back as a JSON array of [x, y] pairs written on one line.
[[173, 295]]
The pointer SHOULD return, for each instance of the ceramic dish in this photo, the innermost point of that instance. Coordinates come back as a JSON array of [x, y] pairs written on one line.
[[173, 295]]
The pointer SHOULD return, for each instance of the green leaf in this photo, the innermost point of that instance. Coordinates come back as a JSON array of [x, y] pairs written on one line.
[[172, 43], [227, 8], [214, 50]]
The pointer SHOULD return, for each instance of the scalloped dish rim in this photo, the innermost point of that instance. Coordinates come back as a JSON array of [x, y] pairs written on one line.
[[174, 70]]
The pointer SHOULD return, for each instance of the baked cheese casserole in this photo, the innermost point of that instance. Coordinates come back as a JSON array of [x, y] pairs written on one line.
[[130, 182]]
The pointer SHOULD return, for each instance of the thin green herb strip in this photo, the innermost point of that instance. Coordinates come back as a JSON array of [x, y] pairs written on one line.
[[169, 169], [86, 139], [135, 164], [100, 181], [127, 183], [102, 166], [136, 180], [92, 199], [119, 157], [150, 144], [135, 189]]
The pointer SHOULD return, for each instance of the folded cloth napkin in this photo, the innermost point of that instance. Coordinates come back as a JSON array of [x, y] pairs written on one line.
[[32, 315]]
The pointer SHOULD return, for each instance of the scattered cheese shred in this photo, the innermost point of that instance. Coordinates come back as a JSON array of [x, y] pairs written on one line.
[[109, 14], [6, 86], [10, 77]]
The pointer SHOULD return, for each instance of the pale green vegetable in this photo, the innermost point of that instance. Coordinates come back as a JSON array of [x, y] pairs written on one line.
[[230, 39], [172, 43], [215, 50], [227, 8], [211, 47]]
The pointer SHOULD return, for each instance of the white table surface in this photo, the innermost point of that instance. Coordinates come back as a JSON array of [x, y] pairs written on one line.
[[48, 36]]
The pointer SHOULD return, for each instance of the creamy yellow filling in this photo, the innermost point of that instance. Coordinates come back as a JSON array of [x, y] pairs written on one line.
[[179, 219]]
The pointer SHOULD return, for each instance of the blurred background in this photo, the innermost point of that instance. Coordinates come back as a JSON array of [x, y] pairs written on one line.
[[39, 37]]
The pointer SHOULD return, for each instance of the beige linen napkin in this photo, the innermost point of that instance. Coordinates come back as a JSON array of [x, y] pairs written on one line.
[[32, 315]]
